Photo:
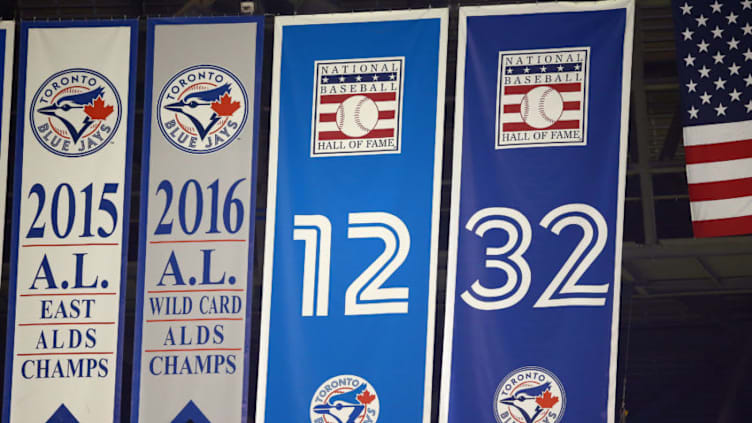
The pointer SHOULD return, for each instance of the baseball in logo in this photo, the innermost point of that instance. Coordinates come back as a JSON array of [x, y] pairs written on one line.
[[357, 106], [75, 112], [529, 395], [202, 109], [345, 399], [542, 98]]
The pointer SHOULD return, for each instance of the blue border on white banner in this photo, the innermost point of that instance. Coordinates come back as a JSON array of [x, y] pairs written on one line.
[[10, 333], [145, 157]]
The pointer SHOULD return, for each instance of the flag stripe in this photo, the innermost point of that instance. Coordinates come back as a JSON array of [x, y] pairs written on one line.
[[332, 126], [521, 126], [337, 135], [718, 152], [721, 209], [568, 105], [723, 227], [571, 105], [721, 190], [716, 133], [332, 117], [328, 117], [339, 98], [523, 89], [719, 171]]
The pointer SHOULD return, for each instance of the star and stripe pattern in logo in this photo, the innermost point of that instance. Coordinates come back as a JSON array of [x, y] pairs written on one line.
[[542, 97], [357, 107]]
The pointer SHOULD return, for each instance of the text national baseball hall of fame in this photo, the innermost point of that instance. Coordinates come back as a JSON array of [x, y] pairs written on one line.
[[357, 107], [542, 97]]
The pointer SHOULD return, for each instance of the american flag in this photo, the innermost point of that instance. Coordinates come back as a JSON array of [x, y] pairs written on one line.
[[714, 47]]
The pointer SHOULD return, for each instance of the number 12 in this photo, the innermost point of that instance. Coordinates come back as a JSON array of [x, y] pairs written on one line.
[[365, 295]]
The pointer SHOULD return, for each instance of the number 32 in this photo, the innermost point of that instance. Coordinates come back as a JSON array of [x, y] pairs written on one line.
[[509, 259]]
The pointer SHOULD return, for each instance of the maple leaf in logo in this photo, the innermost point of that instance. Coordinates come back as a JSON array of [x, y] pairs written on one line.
[[225, 106], [98, 111], [366, 397], [546, 400]]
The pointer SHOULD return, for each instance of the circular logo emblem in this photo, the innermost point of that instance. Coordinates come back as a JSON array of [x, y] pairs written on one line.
[[345, 399], [75, 112], [202, 109], [529, 395], [541, 107]]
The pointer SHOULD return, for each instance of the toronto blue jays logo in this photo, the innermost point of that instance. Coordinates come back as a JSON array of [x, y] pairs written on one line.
[[75, 112], [345, 399], [202, 109], [529, 395]]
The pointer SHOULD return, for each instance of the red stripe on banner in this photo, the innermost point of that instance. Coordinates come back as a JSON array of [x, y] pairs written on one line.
[[66, 294], [336, 135], [211, 319], [568, 105], [185, 291], [522, 126], [718, 152], [65, 353], [184, 241], [66, 323], [387, 114], [193, 350], [90, 244], [562, 88], [721, 190], [328, 117], [723, 227], [339, 98]]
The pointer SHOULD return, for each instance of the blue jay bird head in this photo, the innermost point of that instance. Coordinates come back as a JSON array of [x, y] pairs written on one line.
[[70, 111], [344, 407], [197, 107], [524, 401]]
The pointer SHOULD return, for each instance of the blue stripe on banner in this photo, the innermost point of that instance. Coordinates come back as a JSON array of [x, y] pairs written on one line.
[[195, 273], [53, 390], [535, 228], [352, 225]]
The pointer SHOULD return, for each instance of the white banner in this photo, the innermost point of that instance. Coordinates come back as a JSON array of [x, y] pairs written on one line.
[[193, 316], [70, 214]]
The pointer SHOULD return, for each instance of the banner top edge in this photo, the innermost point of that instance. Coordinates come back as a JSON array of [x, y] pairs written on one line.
[[356, 17], [198, 20], [552, 7], [132, 22]]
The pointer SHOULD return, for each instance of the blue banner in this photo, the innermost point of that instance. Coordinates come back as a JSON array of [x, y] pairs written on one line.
[[352, 218], [193, 307], [534, 256], [69, 248]]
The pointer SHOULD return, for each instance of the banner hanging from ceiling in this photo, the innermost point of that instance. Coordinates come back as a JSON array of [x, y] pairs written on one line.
[[193, 306], [538, 178], [70, 221], [347, 328], [7, 33]]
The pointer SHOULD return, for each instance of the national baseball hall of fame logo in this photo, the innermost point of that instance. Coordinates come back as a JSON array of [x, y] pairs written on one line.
[[530, 395], [345, 399], [75, 112], [202, 109], [542, 97], [357, 106]]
